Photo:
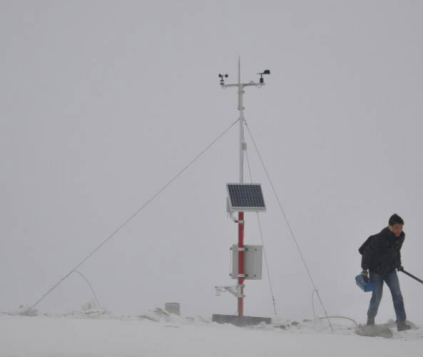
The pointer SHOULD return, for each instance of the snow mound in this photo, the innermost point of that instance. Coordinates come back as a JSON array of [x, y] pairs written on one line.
[[24, 310], [99, 333], [160, 315]]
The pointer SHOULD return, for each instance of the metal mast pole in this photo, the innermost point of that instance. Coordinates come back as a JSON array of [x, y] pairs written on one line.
[[242, 147], [241, 124]]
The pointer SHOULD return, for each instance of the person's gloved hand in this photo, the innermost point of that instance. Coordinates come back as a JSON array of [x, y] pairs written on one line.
[[400, 268], [365, 274]]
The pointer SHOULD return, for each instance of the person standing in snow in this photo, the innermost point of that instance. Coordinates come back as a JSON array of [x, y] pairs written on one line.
[[382, 257]]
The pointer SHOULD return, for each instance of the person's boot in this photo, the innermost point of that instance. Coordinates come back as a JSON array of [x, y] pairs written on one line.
[[403, 326], [370, 322]]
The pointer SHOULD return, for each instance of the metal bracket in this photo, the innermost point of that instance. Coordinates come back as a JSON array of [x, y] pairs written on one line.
[[238, 276], [234, 290], [239, 249], [231, 216]]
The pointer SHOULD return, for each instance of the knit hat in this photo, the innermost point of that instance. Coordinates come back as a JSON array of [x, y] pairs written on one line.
[[395, 219]]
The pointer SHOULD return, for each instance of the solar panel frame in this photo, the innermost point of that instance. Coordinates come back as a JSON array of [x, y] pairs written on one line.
[[245, 197]]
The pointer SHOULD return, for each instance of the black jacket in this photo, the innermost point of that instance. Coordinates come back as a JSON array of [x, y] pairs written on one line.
[[383, 252]]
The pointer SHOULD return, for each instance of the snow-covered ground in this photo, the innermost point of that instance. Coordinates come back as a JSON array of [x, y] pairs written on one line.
[[100, 333]]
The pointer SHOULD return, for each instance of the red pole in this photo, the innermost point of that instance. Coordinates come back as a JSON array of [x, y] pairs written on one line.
[[241, 261]]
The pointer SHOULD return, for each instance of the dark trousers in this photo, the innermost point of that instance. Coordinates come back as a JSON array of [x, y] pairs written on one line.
[[392, 281]]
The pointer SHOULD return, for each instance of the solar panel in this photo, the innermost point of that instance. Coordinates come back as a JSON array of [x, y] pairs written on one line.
[[245, 198]]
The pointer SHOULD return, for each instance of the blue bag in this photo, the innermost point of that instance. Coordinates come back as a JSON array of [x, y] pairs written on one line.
[[365, 284]]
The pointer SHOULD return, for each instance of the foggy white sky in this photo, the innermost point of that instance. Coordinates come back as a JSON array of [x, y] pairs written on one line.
[[101, 102]]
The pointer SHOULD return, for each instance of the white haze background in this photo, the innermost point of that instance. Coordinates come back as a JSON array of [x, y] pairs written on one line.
[[101, 102]]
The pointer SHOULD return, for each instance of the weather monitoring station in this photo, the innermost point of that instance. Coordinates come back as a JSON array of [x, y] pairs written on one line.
[[243, 198]]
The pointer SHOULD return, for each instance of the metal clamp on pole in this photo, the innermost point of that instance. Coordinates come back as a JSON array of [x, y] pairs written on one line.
[[238, 249]]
